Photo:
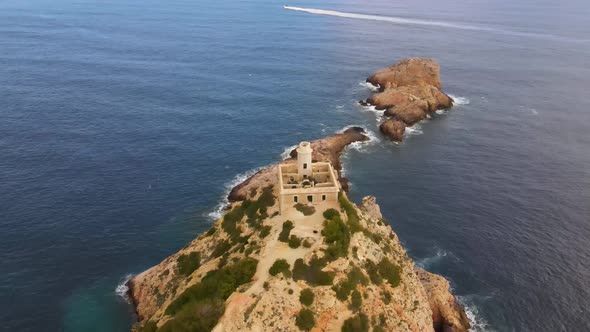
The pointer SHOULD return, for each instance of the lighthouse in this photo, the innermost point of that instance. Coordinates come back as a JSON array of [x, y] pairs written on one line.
[[304, 160]]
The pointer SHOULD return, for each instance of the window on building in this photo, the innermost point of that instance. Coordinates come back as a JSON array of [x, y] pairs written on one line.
[[323, 197], [304, 165], [295, 199], [310, 198]]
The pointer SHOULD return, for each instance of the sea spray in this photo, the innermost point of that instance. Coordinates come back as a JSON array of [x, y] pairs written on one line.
[[122, 289], [459, 100], [219, 209]]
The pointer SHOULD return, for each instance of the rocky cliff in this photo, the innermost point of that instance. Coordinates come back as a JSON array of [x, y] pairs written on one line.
[[409, 91], [336, 267]]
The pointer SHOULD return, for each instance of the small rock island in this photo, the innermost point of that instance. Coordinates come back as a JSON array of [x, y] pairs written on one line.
[[409, 91], [293, 253]]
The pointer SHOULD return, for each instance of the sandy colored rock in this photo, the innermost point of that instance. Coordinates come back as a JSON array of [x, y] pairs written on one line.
[[447, 313], [412, 71], [406, 94], [410, 91], [393, 128]]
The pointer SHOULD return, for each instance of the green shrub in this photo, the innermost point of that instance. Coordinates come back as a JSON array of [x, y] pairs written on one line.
[[264, 231], [358, 323], [306, 243], [307, 210], [305, 320], [280, 266], [312, 273], [356, 276], [306, 297], [149, 326], [343, 289], [217, 284], [373, 271], [287, 227], [188, 263], [337, 237], [390, 272], [353, 218], [386, 297], [356, 300], [294, 242], [211, 231], [231, 220], [331, 213], [221, 248], [196, 316]]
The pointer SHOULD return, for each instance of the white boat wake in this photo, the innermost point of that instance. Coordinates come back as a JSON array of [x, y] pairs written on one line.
[[433, 23]]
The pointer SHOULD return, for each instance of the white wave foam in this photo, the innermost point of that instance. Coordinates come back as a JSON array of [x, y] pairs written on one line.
[[432, 23], [122, 287], [378, 113], [219, 209], [425, 263], [478, 323], [414, 130], [441, 112], [370, 86], [362, 146], [286, 154], [460, 100]]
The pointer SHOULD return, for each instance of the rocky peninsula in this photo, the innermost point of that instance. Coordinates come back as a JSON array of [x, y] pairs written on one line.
[[409, 91], [340, 268]]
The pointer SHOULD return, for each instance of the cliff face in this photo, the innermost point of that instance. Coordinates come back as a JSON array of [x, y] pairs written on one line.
[[338, 267]]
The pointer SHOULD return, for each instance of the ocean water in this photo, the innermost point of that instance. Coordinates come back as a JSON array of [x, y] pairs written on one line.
[[123, 123]]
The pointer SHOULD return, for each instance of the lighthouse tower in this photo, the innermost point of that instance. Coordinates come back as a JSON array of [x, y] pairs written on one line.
[[304, 159]]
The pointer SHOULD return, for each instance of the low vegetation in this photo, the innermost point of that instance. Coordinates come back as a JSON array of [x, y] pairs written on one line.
[[280, 266], [358, 323], [390, 272], [188, 263], [312, 273], [294, 242], [356, 300], [306, 297], [337, 236], [287, 227], [264, 231], [307, 210], [305, 320], [201, 305], [351, 213]]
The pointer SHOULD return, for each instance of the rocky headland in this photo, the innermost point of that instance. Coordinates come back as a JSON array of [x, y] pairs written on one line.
[[409, 91], [338, 268]]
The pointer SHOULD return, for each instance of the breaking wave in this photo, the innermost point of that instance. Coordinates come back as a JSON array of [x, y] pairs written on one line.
[[370, 86], [460, 100], [414, 130], [219, 209], [122, 287], [432, 23], [427, 262], [478, 323]]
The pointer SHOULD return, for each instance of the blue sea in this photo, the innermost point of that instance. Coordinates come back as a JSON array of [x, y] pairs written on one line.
[[124, 123]]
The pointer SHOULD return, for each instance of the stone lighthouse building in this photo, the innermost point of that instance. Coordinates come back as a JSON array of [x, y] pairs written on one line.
[[306, 182]]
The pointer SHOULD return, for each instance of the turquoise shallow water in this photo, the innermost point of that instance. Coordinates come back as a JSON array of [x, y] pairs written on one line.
[[122, 125]]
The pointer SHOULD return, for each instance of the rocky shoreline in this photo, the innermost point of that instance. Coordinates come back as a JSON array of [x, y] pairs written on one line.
[[221, 280]]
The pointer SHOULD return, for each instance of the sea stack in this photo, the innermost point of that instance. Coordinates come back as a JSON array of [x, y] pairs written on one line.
[[409, 91]]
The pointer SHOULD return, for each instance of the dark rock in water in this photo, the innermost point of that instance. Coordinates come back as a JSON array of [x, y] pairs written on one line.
[[394, 129], [364, 103]]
